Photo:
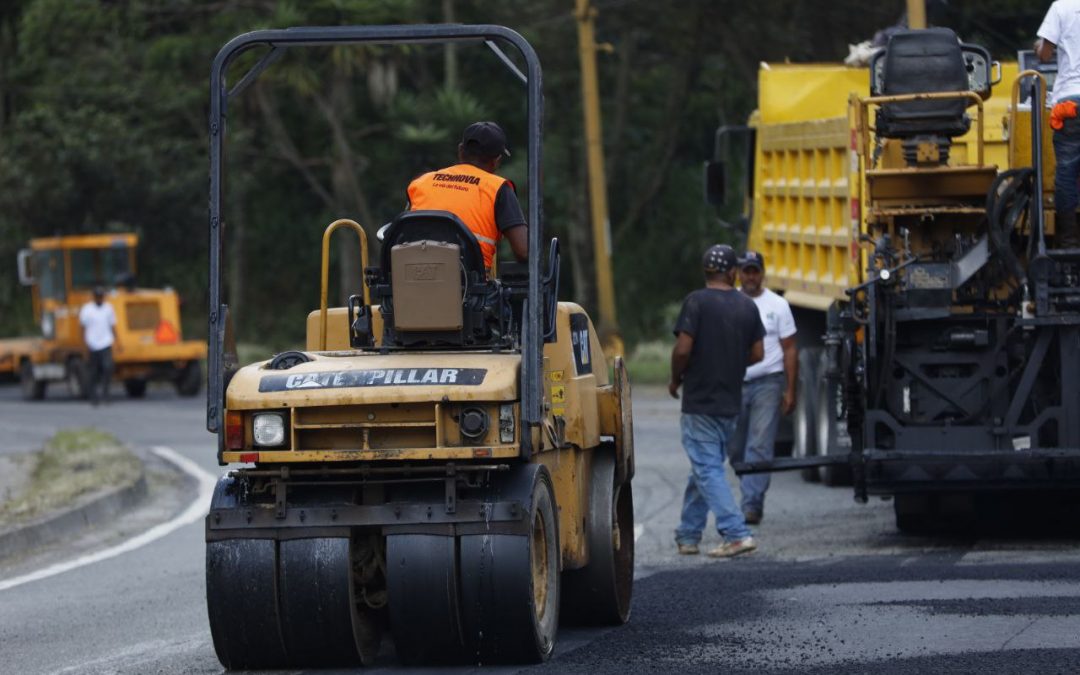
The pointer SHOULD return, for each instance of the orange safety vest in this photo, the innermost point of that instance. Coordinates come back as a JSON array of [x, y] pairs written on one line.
[[469, 193]]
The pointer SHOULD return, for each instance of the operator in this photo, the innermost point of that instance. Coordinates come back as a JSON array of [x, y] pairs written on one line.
[[769, 386], [485, 202], [718, 333], [1061, 29], [98, 321]]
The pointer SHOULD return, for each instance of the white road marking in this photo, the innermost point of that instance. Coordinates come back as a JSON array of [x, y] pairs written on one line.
[[638, 531], [194, 512]]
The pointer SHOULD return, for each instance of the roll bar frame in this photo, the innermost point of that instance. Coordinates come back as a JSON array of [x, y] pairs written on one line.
[[219, 367]]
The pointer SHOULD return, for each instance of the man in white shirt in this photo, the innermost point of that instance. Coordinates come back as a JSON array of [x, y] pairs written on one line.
[[1061, 30], [98, 321], [769, 386]]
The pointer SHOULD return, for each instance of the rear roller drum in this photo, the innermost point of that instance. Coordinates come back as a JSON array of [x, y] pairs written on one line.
[[422, 583], [241, 596], [316, 607], [279, 604], [510, 591], [600, 592]]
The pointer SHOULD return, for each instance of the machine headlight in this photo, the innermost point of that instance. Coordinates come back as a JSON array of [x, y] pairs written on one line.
[[268, 429], [506, 423], [48, 326]]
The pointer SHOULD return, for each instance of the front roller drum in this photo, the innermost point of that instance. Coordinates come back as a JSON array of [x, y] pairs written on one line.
[[279, 604], [600, 592]]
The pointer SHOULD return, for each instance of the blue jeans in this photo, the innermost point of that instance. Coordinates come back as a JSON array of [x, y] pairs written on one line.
[[755, 434], [704, 438], [1067, 154]]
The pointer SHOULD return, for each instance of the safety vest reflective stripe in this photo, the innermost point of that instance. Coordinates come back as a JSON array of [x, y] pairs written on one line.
[[469, 193]]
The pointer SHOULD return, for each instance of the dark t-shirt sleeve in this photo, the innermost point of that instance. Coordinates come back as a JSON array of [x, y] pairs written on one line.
[[688, 318], [507, 208]]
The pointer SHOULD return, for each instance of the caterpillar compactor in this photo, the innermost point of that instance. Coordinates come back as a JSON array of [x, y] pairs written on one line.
[[447, 461]]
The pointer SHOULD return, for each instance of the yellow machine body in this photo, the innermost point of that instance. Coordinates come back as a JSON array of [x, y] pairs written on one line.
[[61, 273], [406, 408]]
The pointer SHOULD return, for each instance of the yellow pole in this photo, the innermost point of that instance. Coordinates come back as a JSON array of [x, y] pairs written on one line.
[[916, 14], [601, 225]]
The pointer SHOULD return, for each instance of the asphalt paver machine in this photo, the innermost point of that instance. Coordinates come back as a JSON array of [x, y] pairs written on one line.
[[448, 461]]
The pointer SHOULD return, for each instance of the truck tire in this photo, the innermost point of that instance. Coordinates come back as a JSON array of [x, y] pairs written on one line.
[[189, 379], [33, 389], [804, 439], [135, 387], [832, 436], [76, 378]]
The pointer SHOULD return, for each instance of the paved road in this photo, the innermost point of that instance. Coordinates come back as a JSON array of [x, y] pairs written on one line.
[[833, 589]]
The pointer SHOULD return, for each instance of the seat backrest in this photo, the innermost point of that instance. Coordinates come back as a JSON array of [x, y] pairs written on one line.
[[410, 226], [428, 294], [430, 279], [924, 61]]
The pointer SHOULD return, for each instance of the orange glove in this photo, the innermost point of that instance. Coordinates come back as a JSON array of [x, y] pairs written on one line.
[[1066, 110]]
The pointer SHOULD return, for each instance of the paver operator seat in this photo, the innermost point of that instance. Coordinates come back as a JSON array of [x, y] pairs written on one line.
[[923, 61]]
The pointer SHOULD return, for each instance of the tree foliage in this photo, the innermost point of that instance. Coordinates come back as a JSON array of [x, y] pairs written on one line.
[[103, 107]]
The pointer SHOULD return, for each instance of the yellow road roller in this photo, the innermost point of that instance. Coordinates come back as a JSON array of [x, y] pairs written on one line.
[[448, 461]]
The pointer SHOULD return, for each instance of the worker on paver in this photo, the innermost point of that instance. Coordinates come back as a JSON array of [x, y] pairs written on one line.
[[485, 202], [769, 387], [1061, 30], [717, 335], [98, 321]]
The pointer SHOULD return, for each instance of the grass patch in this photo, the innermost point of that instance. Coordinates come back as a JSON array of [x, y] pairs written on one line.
[[73, 463], [650, 363]]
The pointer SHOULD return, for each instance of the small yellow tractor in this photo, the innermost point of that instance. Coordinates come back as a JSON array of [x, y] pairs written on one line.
[[448, 460], [62, 272]]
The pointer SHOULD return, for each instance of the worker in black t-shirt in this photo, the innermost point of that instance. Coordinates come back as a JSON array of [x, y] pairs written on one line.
[[718, 334]]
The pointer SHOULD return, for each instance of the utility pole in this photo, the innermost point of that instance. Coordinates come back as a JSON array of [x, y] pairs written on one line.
[[601, 225], [916, 14]]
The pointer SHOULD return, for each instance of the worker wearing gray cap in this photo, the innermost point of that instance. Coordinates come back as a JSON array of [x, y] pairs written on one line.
[[769, 388], [718, 334]]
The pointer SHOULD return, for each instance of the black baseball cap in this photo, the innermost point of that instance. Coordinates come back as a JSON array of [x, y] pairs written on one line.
[[484, 139], [752, 259], [719, 258]]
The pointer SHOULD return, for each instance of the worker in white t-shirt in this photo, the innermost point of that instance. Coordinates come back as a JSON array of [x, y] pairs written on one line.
[[769, 387], [98, 321], [1061, 29]]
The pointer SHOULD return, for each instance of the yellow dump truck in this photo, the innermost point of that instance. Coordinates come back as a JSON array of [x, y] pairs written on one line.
[[903, 212], [61, 273]]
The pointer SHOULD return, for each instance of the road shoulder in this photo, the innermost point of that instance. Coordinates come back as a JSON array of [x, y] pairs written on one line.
[[38, 508]]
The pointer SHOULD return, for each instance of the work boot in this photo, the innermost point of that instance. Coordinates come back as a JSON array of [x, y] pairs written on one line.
[[1066, 233], [730, 549], [688, 549]]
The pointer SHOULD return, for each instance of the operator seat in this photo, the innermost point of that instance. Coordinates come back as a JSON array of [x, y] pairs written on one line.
[[924, 61], [432, 284]]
